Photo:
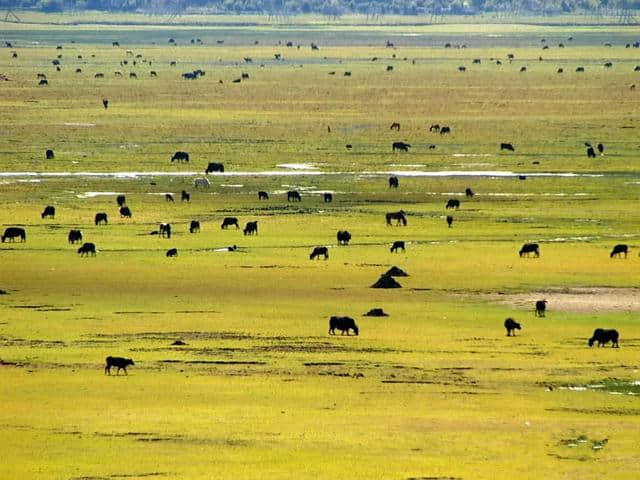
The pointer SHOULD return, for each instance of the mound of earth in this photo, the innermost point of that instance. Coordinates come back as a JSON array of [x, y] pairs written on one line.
[[578, 299], [386, 281], [376, 312], [396, 272], [178, 342]]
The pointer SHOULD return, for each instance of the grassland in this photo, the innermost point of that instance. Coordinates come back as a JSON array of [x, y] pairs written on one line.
[[435, 390]]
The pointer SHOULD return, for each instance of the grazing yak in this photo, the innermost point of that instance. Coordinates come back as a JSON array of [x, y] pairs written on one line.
[[445, 130], [317, 251], [453, 203], [344, 324], [603, 337], [400, 146], [251, 228], [393, 182], [507, 146], [125, 212], [229, 221], [293, 196], [168, 197], [395, 126], [263, 196], [74, 236], [201, 182], [119, 362], [591, 153], [121, 200], [43, 82], [49, 212], [344, 237], [600, 148], [468, 192], [100, 218], [541, 308], [528, 248], [214, 167], [13, 232], [397, 245], [180, 157], [328, 197], [172, 252], [105, 103], [435, 128], [165, 230], [184, 196], [49, 155], [194, 226], [86, 249], [400, 217], [619, 250], [511, 325], [449, 220]]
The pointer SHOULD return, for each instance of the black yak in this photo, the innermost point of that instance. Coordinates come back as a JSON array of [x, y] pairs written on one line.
[[86, 249], [119, 362], [344, 324], [344, 237], [400, 146], [12, 232], [393, 182], [541, 308], [452, 203], [74, 236], [49, 212], [100, 218], [293, 196], [619, 249], [317, 251], [511, 325], [603, 337], [194, 226], [229, 221], [528, 248], [251, 228]]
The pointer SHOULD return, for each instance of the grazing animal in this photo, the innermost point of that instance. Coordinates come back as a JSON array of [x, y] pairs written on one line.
[[453, 203], [180, 156], [99, 75], [580, 69], [449, 220], [293, 196], [229, 221], [214, 167], [133, 75], [393, 182], [541, 308], [523, 69], [445, 130], [344, 324], [476, 61], [121, 363], [125, 212], [49, 154], [398, 216], [168, 197], [468, 192], [165, 230], [344, 237], [194, 226], [43, 82], [100, 218], [185, 197], [397, 245], [74, 236], [395, 126], [86, 249], [328, 198], [462, 69], [591, 152], [560, 70], [115, 44], [434, 128], [389, 68], [317, 251], [172, 252], [600, 148], [105, 103], [347, 74], [400, 146], [251, 228], [153, 73], [603, 337], [528, 248], [507, 146], [121, 200], [619, 250], [263, 196], [244, 75], [49, 212], [201, 182], [608, 65], [511, 325], [12, 232]]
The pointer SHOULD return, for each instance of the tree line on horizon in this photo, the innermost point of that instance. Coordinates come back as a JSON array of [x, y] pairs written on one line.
[[336, 8]]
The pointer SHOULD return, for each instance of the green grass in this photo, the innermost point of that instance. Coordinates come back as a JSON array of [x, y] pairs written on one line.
[[261, 390]]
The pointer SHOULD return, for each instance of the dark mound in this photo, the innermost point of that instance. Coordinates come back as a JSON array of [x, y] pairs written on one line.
[[396, 272], [386, 281], [178, 342], [376, 312]]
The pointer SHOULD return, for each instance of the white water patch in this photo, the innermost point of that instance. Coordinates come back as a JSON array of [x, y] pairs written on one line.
[[231, 185], [407, 165], [298, 166], [480, 173], [96, 194], [471, 154], [78, 124]]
